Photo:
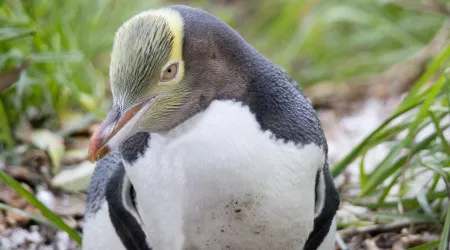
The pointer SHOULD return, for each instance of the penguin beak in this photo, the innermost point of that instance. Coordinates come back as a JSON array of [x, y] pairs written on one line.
[[115, 125]]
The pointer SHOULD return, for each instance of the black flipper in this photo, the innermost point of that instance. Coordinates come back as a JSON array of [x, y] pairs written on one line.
[[325, 217], [124, 221]]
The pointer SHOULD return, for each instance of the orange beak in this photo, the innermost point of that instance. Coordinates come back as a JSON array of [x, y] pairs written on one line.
[[114, 122]]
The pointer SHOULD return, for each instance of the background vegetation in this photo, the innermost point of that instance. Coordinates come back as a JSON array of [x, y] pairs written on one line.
[[54, 58]]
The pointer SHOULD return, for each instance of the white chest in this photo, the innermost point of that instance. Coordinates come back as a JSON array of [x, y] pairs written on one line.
[[218, 182]]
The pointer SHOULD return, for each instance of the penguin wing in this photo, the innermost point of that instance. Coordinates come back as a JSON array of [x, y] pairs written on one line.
[[98, 231], [123, 213], [111, 188], [327, 203]]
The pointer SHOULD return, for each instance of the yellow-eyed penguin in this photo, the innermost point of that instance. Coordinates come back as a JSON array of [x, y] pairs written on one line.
[[208, 145]]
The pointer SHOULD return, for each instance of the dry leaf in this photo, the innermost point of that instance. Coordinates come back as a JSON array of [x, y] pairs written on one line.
[[10, 77], [16, 219], [50, 142], [23, 173], [75, 179], [70, 205], [2, 221]]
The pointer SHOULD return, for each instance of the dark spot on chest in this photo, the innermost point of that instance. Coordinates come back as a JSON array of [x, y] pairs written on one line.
[[202, 101], [241, 208]]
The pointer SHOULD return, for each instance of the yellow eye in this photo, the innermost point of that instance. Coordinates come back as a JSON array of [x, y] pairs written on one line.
[[170, 72]]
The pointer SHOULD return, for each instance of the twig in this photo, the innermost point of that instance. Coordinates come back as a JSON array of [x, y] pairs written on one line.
[[340, 242], [378, 228]]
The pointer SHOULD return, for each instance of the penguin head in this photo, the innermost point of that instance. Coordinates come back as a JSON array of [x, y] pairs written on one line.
[[166, 66]]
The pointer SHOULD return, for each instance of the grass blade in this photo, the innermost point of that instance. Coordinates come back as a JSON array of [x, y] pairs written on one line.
[[339, 167], [434, 66], [407, 203], [5, 132], [386, 170], [423, 111], [445, 238], [34, 217], [427, 246], [440, 132], [14, 33]]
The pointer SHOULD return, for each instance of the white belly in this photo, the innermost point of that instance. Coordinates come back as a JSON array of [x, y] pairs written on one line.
[[218, 182], [99, 233]]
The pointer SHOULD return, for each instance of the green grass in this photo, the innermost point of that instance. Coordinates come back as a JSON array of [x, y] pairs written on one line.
[[423, 106], [66, 45]]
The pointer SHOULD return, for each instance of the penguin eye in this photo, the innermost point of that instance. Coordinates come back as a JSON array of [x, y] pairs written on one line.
[[170, 72]]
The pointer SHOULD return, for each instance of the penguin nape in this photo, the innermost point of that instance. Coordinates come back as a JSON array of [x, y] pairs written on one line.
[[208, 145]]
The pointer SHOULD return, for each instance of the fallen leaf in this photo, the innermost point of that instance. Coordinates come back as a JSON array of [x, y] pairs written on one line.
[[23, 174], [70, 205], [71, 222], [2, 222], [74, 156], [370, 244], [15, 218], [10, 197], [75, 179], [52, 143], [34, 159], [8, 78]]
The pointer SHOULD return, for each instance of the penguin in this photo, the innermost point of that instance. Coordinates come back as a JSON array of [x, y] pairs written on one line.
[[208, 145]]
